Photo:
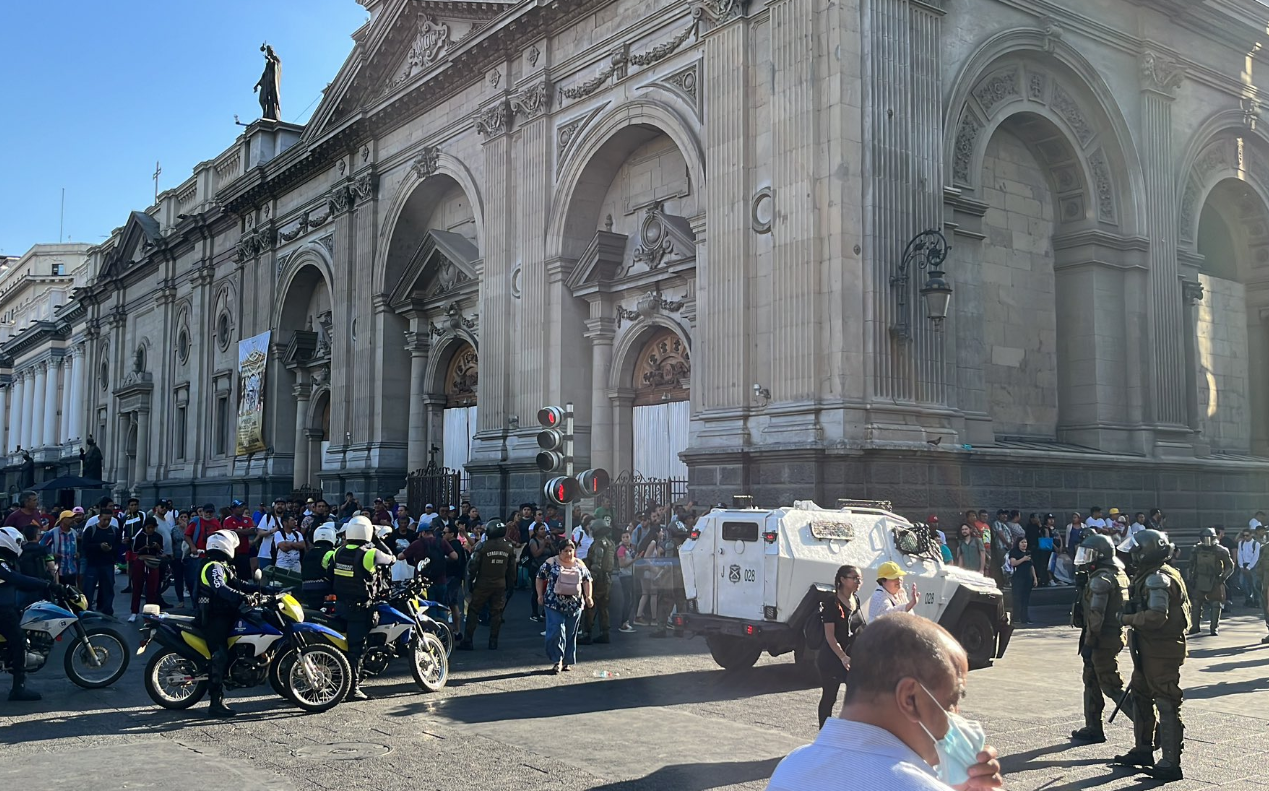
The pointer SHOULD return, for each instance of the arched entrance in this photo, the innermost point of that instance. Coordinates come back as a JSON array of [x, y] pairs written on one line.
[[305, 322], [662, 411], [462, 377]]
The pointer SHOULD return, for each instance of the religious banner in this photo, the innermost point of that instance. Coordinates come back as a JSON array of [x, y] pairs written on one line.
[[253, 356]]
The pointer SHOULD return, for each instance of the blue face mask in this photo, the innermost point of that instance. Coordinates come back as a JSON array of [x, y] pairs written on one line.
[[959, 748]]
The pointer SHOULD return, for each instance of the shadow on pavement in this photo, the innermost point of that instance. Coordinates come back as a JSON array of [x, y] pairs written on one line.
[[696, 777], [1226, 688], [619, 693]]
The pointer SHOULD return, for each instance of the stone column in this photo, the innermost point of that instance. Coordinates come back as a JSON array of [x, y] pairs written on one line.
[[50, 406], [143, 448], [121, 471], [38, 404], [28, 408], [1160, 79], [497, 336], [622, 406], [434, 419], [15, 413], [78, 407], [416, 343], [601, 331], [4, 435], [68, 374], [301, 392]]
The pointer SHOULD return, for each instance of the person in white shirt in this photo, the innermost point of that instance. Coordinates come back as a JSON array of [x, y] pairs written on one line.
[[1248, 556], [288, 543], [1256, 521], [582, 538], [1095, 520], [269, 527], [899, 728], [890, 596]]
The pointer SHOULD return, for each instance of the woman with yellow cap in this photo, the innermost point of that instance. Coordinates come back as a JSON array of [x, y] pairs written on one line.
[[890, 596]]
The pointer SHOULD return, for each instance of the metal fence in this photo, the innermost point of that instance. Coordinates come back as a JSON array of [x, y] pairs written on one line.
[[631, 493], [435, 485]]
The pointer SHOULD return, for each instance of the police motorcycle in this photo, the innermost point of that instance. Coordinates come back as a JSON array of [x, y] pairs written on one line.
[[303, 662], [401, 628], [97, 655]]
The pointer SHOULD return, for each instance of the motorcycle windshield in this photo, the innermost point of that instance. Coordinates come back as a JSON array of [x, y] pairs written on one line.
[[44, 611]]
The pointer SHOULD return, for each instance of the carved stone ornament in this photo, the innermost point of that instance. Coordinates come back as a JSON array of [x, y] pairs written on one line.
[[994, 89], [495, 78], [533, 55], [254, 242], [663, 238], [663, 51], [429, 44], [718, 11], [339, 199], [762, 210], [427, 162], [1052, 33], [532, 101], [325, 335], [1070, 111], [365, 154], [567, 134], [363, 186], [1160, 74], [664, 370], [463, 378], [1102, 186], [966, 138], [1192, 291], [293, 231], [318, 217], [687, 81], [494, 120], [448, 278]]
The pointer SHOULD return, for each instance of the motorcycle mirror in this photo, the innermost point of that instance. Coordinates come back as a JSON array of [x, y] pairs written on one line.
[[422, 564], [257, 575]]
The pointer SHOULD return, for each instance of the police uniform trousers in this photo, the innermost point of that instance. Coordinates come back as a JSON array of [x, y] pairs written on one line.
[[1156, 683], [358, 621], [15, 643], [496, 598], [601, 592], [1102, 679], [1200, 602], [216, 629]]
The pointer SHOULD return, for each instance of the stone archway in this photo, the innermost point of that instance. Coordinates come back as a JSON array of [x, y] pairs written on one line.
[[305, 328], [650, 394], [458, 418]]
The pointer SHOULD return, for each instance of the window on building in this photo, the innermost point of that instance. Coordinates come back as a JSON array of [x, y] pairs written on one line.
[[221, 429], [59, 269], [181, 416]]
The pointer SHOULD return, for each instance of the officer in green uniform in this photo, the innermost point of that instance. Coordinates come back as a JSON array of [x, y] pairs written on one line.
[[354, 577], [601, 559], [1210, 566], [313, 566], [1158, 612], [492, 571], [1101, 606], [1261, 570]]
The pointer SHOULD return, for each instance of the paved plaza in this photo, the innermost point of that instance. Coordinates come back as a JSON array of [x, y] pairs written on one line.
[[667, 718]]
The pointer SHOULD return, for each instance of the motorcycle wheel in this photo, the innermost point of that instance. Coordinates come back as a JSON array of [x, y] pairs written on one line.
[[445, 634], [111, 650], [279, 670], [332, 678], [172, 681], [429, 663]]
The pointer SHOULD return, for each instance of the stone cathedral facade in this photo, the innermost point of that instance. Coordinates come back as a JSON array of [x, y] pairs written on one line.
[[687, 219]]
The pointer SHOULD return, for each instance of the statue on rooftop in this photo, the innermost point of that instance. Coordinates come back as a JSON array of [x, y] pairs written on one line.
[[270, 85]]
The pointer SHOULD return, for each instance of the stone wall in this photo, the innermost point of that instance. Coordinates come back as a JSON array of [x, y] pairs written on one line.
[[1221, 347], [1018, 321]]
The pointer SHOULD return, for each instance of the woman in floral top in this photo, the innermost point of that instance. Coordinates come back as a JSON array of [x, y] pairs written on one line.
[[564, 590]]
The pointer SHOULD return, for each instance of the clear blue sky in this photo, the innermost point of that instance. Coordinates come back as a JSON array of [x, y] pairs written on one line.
[[93, 92]]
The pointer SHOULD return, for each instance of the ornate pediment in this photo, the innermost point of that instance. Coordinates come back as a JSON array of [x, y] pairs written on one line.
[[601, 262], [444, 264], [663, 239], [140, 235]]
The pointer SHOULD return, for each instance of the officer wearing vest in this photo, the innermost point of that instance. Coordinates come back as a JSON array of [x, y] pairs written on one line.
[[12, 585], [492, 571], [353, 573], [1101, 605], [601, 560], [314, 586], [220, 598], [1158, 612], [1210, 566]]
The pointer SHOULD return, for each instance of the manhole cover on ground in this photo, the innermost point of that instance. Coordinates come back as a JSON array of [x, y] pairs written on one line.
[[343, 751]]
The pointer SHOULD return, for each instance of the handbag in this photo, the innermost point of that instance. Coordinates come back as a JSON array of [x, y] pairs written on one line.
[[1045, 544]]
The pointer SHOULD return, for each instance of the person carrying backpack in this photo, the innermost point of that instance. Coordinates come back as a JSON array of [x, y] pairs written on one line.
[[601, 559]]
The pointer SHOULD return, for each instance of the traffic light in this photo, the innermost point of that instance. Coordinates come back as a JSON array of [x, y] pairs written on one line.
[[593, 481], [563, 490], [555, 439]]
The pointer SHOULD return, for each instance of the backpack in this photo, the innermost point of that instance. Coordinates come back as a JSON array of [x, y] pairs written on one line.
[[602, 558], [569, 580], [197, 523]]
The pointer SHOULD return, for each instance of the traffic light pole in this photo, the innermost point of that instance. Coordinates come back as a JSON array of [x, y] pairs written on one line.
[[568, 465]]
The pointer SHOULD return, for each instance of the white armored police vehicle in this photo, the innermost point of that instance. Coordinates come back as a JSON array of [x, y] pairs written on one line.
[[755, 578]]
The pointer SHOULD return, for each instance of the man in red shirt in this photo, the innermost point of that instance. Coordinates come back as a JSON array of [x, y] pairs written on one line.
[[28, 512], [245, 528], [200, 527]]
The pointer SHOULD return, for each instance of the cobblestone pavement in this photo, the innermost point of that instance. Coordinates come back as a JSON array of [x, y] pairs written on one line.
[[668, 718]]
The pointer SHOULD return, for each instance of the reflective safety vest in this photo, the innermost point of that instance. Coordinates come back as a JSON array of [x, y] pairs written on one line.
[[353, 573]]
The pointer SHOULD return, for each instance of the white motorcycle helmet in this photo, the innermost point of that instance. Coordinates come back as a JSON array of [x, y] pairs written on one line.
[[382, 532], [326, 533], [359, 528], [11, 539], [223, 540]]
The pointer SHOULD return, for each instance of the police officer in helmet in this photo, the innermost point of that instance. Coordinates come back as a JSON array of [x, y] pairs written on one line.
[[1210, 566], [1158, 612], [1099, 613], [12, 582], [313, 566], [353, 573], [492, 570], [221, 598]]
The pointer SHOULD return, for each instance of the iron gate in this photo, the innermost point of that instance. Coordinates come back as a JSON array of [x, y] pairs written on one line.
[[631, 493], [433, 484]]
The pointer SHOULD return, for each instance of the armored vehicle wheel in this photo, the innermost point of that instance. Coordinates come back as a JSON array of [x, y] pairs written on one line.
[[733, 653]]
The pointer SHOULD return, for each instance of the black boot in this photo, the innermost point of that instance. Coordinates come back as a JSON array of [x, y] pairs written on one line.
[[218, 707], [603, 638], [584, 639], [1137, 756], [20, 694], [493, 643], [466, 645], [1089, 735]]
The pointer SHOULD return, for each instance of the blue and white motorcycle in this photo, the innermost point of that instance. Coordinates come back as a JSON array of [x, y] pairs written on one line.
[[97, 655]]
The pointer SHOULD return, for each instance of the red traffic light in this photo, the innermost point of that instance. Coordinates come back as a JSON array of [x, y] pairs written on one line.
[[593, 481], [551, 417], [563, 490]]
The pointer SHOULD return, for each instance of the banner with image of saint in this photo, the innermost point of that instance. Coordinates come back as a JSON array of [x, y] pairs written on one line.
[[253, 358]]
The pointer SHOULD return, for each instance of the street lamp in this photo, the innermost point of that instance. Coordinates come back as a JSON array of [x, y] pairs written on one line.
[[926, 251]]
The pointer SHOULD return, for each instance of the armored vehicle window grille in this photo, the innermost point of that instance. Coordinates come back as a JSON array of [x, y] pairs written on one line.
[[740, 531], [918, 540], [827, 530]]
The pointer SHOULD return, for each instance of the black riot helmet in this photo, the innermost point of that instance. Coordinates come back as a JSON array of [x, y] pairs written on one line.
[[495, 528], [1153, 547], [1208, 536], [1097, 548]]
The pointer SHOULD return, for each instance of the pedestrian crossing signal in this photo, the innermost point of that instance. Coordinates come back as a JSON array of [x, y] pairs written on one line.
[[593, 481], [563, 490]]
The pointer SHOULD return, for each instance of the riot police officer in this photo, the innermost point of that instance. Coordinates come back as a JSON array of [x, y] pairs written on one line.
[[12, 584], [601, 560], [1158, 612], [313, 565], [220, 597], [1210, 566], [492, 571], [353, 573], [1099, 612]]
